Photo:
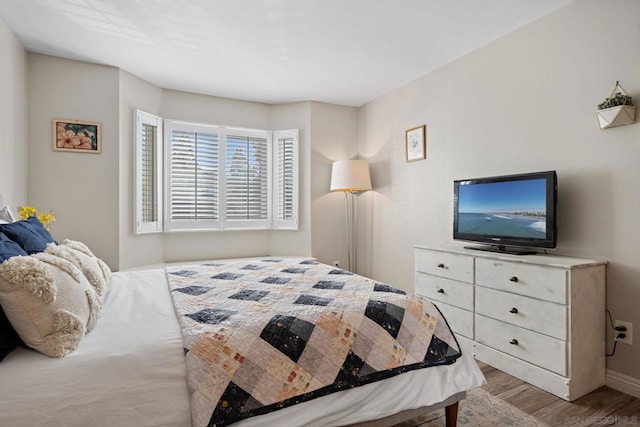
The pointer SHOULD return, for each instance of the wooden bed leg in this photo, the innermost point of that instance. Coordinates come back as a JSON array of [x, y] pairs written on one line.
[[451, 415]]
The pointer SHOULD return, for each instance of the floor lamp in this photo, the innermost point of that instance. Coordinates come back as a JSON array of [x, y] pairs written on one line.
[[350, 177]]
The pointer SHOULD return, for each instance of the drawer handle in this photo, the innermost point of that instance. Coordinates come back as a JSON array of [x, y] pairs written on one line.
[[513, 279], [441, 291], [514, 341], [513, 310], [441, 265]]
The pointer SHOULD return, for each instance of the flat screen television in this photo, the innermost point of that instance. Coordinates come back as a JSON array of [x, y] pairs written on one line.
[[508, 213]]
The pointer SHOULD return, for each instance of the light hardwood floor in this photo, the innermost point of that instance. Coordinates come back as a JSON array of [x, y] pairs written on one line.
[[602, 407]]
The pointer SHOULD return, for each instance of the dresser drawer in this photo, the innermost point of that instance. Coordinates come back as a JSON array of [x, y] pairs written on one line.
[[549, 284], [541, 350], [539, 316], [460, 321], [448, 291], [443, 264]]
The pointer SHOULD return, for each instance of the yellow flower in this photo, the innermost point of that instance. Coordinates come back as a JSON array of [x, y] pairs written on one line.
[[46, 218], [25, 212]]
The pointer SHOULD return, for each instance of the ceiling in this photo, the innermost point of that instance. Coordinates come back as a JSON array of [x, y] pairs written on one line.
[[345, 52]]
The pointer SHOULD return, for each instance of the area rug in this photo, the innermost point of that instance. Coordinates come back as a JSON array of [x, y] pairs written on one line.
[[479, 409]]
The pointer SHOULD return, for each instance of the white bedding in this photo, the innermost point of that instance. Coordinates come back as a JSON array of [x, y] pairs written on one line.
[[130, 371]]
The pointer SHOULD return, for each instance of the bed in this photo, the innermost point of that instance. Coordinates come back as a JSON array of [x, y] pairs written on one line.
[[130, 370]]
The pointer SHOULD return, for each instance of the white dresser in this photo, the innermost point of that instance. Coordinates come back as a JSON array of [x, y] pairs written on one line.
[[540, 318]]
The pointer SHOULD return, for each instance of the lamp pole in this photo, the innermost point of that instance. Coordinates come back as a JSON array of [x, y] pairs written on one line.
[[351, 217], [350, 177]]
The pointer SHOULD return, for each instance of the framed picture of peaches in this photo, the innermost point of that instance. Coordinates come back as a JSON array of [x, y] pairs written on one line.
[[77, 136]]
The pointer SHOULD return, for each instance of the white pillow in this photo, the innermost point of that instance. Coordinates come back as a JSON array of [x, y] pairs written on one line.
[[6, 216], [48, 301], [94, 269]]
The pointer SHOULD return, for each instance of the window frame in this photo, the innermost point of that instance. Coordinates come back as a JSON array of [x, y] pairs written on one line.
[[142, 118], [165, 128]]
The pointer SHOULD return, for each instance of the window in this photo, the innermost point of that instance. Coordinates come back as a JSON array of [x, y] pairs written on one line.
[[221, 178], [192, 183], [286, 179], [148, 214]]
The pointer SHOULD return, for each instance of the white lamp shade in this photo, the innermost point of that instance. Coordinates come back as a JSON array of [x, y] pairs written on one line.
[[350, 176]]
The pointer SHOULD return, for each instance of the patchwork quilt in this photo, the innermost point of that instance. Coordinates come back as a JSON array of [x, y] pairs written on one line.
[[264, 334]]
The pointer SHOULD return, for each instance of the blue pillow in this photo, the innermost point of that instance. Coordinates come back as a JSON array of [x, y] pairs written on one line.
[[9, 338], [30, 234], [9, 248]]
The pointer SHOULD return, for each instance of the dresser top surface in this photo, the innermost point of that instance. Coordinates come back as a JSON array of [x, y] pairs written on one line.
[[548, 260]]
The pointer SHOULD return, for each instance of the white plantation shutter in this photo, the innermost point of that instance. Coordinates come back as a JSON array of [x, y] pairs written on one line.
[[149, 150], [192, 176], [148, 214], [247, 185], [286, 179]]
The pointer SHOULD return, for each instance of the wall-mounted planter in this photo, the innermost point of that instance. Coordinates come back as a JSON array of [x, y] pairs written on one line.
[[617, 109], [616, 116]]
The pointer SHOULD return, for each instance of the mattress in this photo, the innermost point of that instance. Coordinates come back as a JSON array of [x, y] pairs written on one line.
[[130, 371]]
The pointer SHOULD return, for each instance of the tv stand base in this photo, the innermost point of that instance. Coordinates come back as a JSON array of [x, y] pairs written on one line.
[[503, 249]]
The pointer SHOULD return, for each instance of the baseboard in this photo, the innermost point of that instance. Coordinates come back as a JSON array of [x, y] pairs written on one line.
[[623, 383]]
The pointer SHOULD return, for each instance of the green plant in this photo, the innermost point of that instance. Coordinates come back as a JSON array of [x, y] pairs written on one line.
[[616, 100]]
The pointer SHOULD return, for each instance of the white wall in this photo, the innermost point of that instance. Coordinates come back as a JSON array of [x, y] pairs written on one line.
[[334, 137], [13, 120], [81, 188], [523, 103]]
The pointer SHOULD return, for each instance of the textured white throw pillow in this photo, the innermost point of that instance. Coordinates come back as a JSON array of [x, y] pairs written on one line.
[[49, 302], [94, 269]]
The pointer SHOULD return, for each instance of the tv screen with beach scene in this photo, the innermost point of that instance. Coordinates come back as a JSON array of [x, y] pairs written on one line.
[[509, 210]]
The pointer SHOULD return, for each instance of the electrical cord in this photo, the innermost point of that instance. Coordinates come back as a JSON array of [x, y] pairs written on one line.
[[615, 342], [620, 333]]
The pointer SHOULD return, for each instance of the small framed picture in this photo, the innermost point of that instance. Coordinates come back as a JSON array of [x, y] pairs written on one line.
[[78, 136], [416, 142]]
